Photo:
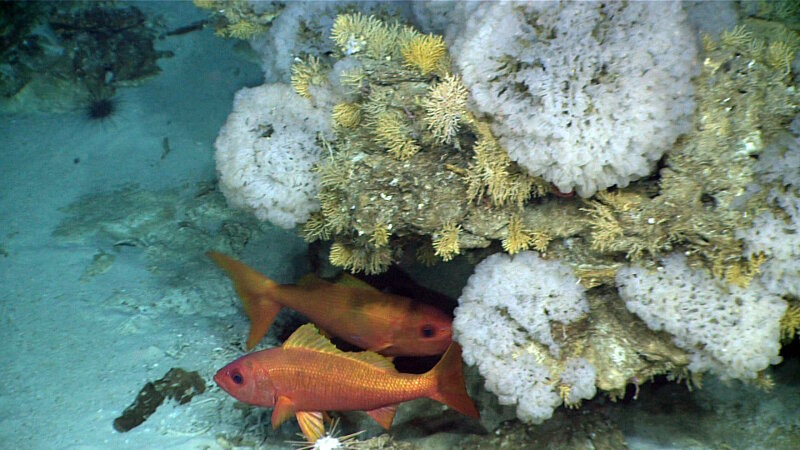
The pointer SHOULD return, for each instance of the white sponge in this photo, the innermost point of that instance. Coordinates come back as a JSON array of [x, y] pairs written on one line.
[[509, 304], [266, 151], [587, 95], [728, 330], [778, 238]]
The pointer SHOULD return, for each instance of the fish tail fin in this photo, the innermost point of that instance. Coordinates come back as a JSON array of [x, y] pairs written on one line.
[[255, 291], [449, 386]]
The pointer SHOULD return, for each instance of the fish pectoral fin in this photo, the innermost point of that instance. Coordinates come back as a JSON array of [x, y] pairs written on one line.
[[377, 348], [384, 415], [311, 425], [284, 409]]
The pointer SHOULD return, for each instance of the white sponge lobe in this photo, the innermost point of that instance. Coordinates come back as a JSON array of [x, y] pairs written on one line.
[[726, 329], [266, 151], [508, 304], [587, 95]]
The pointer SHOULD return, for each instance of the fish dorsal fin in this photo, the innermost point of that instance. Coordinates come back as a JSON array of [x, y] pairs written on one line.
[[384, 415], [345, 279], [372, 358], [308, 337]]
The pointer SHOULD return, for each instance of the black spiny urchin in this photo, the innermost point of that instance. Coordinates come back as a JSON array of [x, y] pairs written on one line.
[[100, 106]]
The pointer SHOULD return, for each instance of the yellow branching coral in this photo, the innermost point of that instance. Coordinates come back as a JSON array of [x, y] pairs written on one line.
[[790, 323], [493, 173], [307, 72], [426, 255], [620, 200], [564, 391], [380, 235], [518, 238], [764, 381], [240, 30], [445, 243], [357, 259], [780, 56], [737, 37], [315, 228], [605, 226], [383, 42], [444, 106], [709, 44], [540, 240], [392, 133], [336, 215], [426, 53], [351, 32], [207, 4], [741, 273], [340, 254], [237, 19], [347, 115]]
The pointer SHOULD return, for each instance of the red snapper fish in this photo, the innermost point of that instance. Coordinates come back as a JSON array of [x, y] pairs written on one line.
[[309, 375], [357, 313]]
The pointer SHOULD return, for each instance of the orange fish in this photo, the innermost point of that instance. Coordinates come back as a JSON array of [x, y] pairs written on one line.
[[357, 313], [309, 375]]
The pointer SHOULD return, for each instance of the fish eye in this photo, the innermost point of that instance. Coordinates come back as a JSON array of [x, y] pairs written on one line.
[[237, 377], [428, 331]]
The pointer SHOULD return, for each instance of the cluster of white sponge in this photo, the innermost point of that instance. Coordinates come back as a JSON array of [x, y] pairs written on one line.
[[726, 329], [508, 304], [266, 151], [586, 95]]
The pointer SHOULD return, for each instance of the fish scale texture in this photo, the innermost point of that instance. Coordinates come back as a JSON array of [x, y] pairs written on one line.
[[508, 304], [728, 330], [266, 151], [587, 95]]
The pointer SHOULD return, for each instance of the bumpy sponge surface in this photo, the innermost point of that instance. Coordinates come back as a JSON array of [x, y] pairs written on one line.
[[586, 95], [730, 331], [266, 151], [508, 305]]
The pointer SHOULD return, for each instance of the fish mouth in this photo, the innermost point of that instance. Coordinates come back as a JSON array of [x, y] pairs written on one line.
[[219, 378]]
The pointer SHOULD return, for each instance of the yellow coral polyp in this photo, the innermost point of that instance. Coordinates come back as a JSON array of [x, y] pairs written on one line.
[[351, 32], [790, 323], [380, 236], [240, 30], [445, 244], [347, 115], [207, 4], [315, 228], [426, 255], [394, 135], [518, 238], [425, 53], [780, 56], [736, 37], [444, 106], [540, 241], [340, 255], [307, 72]]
